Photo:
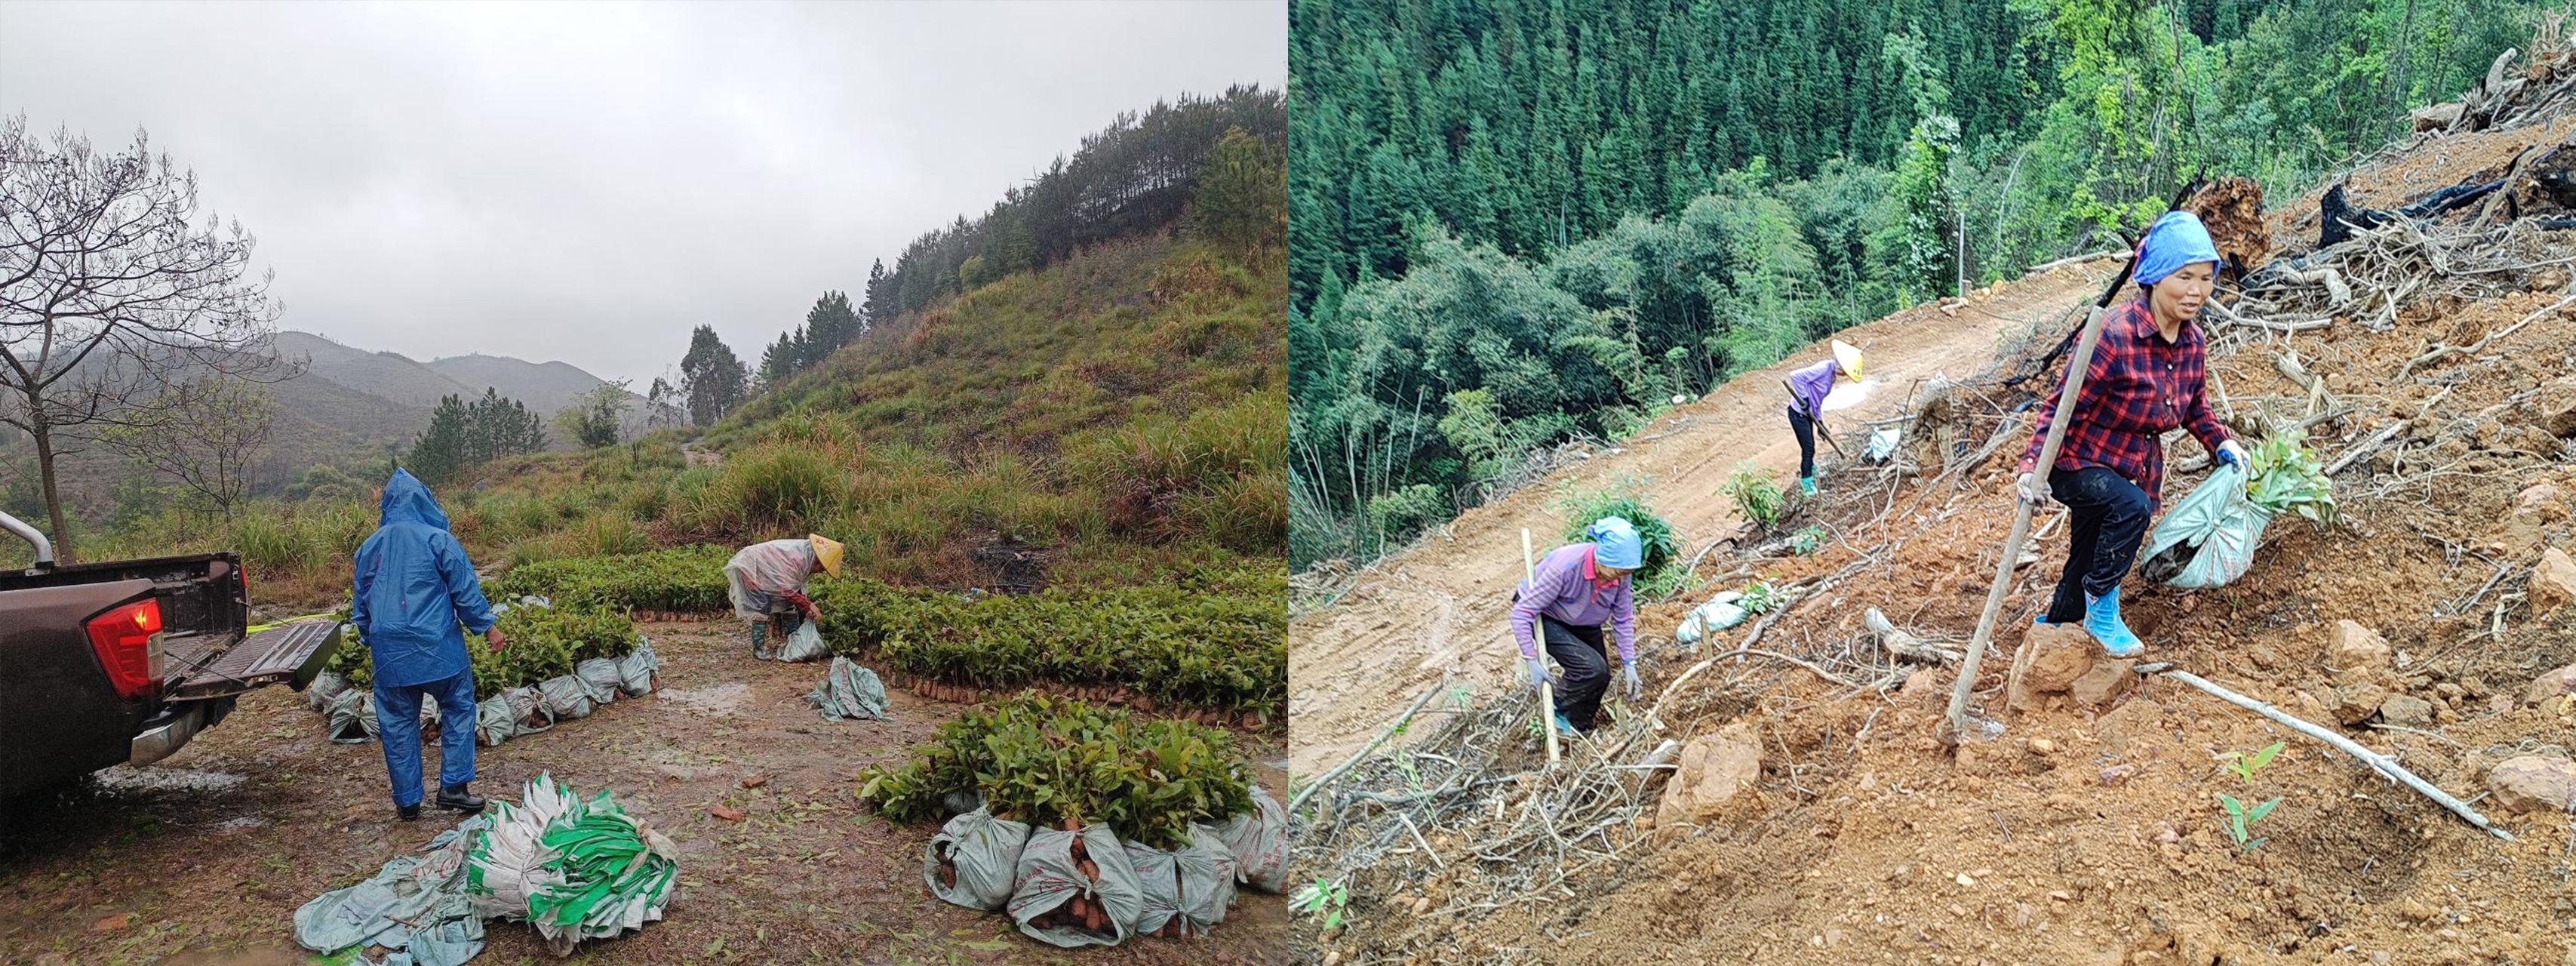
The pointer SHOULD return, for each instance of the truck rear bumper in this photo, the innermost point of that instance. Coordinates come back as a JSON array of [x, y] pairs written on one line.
[[166, 734]]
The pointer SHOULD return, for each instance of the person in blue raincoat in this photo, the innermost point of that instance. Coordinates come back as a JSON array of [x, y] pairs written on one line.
[[414, 589]]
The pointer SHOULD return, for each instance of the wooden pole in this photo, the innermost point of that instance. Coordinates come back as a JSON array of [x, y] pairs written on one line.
[[1546, 693], [2066, 399]]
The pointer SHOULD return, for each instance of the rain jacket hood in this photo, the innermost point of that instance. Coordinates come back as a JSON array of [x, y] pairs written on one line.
[[407, 500], [414, 587]]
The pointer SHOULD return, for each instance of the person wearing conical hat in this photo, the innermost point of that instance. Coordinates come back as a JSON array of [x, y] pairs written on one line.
[[767, 584], [1807, 389]]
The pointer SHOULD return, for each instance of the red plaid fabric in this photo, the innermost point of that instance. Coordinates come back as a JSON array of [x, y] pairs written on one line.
[[2138, 387]]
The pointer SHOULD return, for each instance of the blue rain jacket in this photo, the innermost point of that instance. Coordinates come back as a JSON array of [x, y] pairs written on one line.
[[414, 586]]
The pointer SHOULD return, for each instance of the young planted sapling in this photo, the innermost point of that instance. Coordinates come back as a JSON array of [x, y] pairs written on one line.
[[1329, 898], [2236, 819]]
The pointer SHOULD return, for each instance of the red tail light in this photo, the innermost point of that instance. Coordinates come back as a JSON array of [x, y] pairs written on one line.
[[128, 643]]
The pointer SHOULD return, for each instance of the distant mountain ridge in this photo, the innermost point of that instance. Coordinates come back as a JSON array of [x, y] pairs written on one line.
[[399, 379]]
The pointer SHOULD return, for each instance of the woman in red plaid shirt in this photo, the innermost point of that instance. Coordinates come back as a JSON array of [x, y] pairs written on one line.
[[2146, 379]]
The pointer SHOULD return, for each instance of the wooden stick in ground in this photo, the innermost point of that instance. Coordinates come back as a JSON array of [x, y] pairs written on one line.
[[1382, 734], [2067, 399], [2379, 762], [1546, 693]]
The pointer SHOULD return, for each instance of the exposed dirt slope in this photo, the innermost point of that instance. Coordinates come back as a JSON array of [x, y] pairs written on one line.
[[2090, 831], [1436, 611]]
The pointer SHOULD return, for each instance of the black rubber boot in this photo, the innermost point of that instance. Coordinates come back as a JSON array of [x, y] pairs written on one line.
[[407, 813], [457, 798]]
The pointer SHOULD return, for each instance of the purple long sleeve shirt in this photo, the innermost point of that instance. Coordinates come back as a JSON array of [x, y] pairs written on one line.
[[1568, 589], [1811, 384]]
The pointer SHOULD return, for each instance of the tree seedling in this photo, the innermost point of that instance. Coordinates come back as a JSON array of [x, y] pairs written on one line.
[[2240, 820], [1756, 496], [2244, 765], [1807, 540], [1329, 898]]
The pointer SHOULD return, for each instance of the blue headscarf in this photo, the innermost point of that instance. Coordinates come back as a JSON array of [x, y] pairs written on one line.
[[2178, 239], [1615, 543]]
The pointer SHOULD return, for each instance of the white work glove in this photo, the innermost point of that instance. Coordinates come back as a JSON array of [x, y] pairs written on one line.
[[2032, 490], [1636, 688], [2231, 453], [1537, 672]]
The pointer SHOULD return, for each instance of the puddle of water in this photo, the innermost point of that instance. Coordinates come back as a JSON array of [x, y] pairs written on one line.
[[241, 824], [723, 699], [127, 779]]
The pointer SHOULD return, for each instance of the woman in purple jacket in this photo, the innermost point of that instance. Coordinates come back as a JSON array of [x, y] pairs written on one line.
[[1807, 389], [1576, 589]]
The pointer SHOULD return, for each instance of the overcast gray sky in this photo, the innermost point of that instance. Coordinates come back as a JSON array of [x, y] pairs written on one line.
[[587, 182]]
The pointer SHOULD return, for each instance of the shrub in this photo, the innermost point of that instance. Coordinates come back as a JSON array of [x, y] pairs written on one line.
[[1756, 497], [1184, 647], [1052, 762], [544, 643], [787, 485], [1661, 571], [686, 579]]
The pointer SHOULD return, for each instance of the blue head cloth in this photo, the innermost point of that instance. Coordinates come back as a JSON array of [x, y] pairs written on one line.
[[2178, 239], [1615, 543]]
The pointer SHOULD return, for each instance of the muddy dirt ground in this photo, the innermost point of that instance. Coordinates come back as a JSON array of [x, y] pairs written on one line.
[[203, 858]]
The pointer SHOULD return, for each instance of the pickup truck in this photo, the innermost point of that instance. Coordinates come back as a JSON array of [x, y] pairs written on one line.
[[123, 662]]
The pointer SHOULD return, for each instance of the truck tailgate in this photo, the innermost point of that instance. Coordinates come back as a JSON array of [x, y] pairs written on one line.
[[291, 654]]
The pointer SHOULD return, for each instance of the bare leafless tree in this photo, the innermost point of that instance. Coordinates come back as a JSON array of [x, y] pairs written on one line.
[[204, 435], [112, 290]]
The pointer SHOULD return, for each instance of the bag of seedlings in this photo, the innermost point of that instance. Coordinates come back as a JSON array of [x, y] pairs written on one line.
[[1157, 871], [568, 697], [849, 691], [1260, 843], [352, 718], [1206, 871], [635, 670], [325, 687], [973, 860], [805, 644], [2208, 538], [603, 676], [528, 710], [1076, 889], [494, 721]]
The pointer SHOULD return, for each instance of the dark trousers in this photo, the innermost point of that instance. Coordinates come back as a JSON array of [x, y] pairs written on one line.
[[1587, 669], [2109, 519], [1806, 430]]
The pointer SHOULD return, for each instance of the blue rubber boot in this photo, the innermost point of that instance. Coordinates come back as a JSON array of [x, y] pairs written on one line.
[[1564, 728], [1807, 485], [2102, 620]]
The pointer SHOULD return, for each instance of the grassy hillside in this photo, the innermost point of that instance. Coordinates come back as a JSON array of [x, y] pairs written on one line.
[[1116, 419]]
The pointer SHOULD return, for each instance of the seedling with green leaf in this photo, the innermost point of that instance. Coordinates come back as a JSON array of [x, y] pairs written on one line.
[[2245, 765], [1756, 496], [2239, 820], [1759, 597], [1807, 539], [1329, 898]]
